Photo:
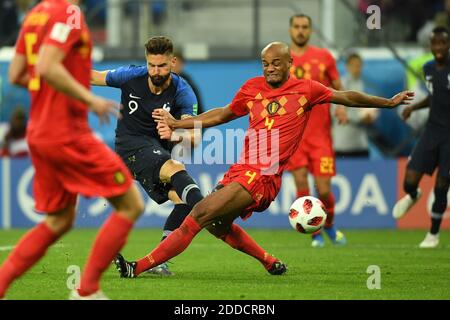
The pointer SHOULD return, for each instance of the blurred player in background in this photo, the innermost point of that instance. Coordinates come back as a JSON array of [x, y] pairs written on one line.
[[144, 89], [315, 154], [178, 68], [53, 60], [279, 106], [352, 140], [433, 148]]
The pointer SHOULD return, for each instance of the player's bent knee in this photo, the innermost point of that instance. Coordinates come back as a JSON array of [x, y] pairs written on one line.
[[130, 204], [203, 214], [169, 168], [60, 224]]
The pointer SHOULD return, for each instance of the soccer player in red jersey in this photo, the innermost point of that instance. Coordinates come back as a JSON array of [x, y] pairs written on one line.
[[279, 107], [315, 154], [53, 60]]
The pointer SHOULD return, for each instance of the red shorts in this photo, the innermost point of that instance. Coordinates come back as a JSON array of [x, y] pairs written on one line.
[[263, 189], [317, 156], [85, 166]]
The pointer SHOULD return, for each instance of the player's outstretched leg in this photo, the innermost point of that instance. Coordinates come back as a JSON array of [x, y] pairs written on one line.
[[437, 211], [174, 220], [110, 239], [237, 238], [222, 203], [33, 246], [413, 193]]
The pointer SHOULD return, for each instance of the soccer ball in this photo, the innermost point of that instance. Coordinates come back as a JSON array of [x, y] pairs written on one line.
[[307, 214]]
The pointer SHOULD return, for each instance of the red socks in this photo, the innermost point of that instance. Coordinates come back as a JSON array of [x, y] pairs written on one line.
[[302, 193], [27, 252], [241, 240], [172, 246], [110, 239], [329, 206]]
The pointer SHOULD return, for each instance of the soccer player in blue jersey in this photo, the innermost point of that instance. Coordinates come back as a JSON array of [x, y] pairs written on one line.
[[144, 89], [433, 148]]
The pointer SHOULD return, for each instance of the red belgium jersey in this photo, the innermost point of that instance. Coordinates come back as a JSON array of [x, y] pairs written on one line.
[[54, 116], [277, 119], [316, 64]]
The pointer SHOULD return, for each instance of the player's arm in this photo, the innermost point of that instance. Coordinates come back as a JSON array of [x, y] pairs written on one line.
[[193, 135], [17, 73], [361, 100], [98, 78], [50, 68], [340, 111], [208, 119], [424, 103], [167, 123]]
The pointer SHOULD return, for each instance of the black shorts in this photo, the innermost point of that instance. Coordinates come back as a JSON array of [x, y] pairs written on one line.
[[432, 150], [145, 164]]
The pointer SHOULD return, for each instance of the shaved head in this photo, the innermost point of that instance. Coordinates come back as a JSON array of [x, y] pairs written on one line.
[[280, 48], [277, 61]]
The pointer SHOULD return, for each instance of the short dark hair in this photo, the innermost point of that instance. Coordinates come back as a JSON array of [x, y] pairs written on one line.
[[351, 56], [159, 45], [300, 15], [438, 30]]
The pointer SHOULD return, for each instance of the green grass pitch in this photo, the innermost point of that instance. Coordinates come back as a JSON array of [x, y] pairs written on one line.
[[209, 269]]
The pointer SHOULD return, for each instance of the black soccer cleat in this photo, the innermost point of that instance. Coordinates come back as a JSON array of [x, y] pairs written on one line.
[[125, 268], [278, 268]]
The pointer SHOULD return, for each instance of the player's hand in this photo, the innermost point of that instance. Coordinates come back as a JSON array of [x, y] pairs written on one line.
[[407, 113], [404, 97], [341, 115], [164, 131], [161, 115], [104, 108]]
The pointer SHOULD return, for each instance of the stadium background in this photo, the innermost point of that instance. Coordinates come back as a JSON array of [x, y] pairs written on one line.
[[221, 40]]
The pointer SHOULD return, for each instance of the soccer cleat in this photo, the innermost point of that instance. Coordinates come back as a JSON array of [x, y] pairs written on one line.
[[340, 239], [162, 270], [99, 295], [430, 241], [318, 241], [125, 268], [336, 236], [404, 204], [278, 268]]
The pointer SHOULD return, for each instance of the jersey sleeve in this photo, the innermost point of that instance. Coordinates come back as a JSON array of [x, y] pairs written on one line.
[[60, 34], [319, 93], [20, 43], [117, 77], [185, 99], [239, 104], [332, 71]]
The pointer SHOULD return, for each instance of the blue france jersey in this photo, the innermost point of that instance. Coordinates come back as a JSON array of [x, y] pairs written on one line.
[[137, 125], [438, 84]]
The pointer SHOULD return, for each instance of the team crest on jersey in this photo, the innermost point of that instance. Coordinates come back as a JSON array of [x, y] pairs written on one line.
[[119, 177], [273, 107], [299, 72]]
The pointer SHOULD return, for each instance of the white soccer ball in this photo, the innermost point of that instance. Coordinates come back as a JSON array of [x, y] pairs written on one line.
[[307, 214]]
